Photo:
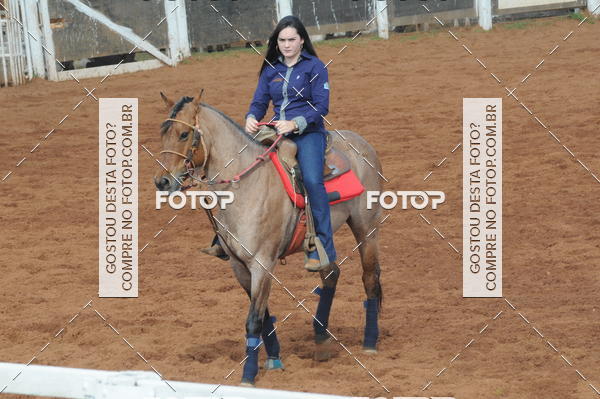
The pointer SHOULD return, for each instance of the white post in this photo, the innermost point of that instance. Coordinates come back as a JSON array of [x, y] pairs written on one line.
[[172, 31], [484, 11], [23, 57], [179, 43], [184, 39], [10, 44], [17, 42], [48, 41], [25, 38], [284, 8], [593, 6], [3, 54], [381, 12], [35, 45]]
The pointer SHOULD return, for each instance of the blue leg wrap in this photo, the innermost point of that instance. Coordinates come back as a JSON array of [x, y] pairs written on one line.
[[251, 364], [371, 329], [271, 342], [326, 299]]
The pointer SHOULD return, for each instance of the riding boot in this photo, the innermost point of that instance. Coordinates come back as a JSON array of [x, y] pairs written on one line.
[[216, 249]]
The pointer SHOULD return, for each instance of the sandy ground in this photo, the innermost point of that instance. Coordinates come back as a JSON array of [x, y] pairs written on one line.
[[405, 96]]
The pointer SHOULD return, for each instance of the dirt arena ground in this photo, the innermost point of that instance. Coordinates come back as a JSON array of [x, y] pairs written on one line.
[[405, 96]]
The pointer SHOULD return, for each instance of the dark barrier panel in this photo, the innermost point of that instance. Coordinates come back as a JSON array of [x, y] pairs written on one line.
[[407, 12], [255, 19], [331, 16], [78, 36], [404, 8]]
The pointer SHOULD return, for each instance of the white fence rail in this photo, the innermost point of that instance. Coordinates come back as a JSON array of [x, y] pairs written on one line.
[[27, 43], [61, 382], [75, 383]]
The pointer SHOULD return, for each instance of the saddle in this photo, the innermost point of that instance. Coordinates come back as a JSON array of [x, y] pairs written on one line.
[[336, 162], [341, 183]]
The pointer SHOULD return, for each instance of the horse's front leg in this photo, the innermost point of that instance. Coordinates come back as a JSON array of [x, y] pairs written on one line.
[[269, 336], [259, 295]]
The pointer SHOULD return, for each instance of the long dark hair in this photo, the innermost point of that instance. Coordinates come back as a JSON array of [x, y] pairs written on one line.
[[294, 22]]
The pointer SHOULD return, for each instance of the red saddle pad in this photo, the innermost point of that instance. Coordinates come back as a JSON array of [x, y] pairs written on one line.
[[339, 189]]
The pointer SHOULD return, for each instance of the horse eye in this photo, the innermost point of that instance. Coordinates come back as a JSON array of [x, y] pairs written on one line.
[[184, 135]]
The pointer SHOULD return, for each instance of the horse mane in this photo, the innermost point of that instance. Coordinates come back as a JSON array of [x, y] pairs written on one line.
[[234, 123], [186, 99]]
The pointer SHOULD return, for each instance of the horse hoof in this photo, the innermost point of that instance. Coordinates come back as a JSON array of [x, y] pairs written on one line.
[[246, 383], [274, 364], [369, 350], [323, 350]]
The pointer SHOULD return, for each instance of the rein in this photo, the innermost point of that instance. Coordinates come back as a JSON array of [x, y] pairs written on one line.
[[259, 159], [199, 139]]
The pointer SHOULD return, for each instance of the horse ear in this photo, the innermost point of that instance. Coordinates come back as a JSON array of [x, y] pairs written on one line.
[[196, 101], [168, 103]]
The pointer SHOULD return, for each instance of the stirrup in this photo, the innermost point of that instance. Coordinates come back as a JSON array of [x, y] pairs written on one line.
[[313, 243], [314, 265]]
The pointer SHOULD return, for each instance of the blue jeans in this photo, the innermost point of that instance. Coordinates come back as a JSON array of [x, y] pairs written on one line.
[[311, 156]]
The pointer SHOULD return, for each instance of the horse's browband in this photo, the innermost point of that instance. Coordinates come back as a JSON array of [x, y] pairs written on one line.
[[190, 156], [185, 123]]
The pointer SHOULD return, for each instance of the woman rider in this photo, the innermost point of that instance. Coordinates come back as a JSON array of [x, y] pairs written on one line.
[[297, 83]]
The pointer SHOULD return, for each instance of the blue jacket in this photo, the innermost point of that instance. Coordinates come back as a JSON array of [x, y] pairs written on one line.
[[282, 84]]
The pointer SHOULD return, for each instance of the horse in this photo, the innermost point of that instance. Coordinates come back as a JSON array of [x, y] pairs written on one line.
[[256, 227]]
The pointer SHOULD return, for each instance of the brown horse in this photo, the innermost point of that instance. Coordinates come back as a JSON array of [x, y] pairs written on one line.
[[256, 227]]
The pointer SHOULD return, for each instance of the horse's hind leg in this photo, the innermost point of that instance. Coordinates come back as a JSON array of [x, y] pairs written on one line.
[[369, 255], [329, 278], [271, 342]]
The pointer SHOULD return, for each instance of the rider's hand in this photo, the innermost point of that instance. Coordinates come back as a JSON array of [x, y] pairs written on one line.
[[251, 125], [284, 127]]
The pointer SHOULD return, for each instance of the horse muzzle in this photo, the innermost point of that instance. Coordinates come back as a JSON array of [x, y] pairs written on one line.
[[166, 183]]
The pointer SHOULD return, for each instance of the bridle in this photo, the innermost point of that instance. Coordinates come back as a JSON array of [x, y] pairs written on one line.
[[198, 140]]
